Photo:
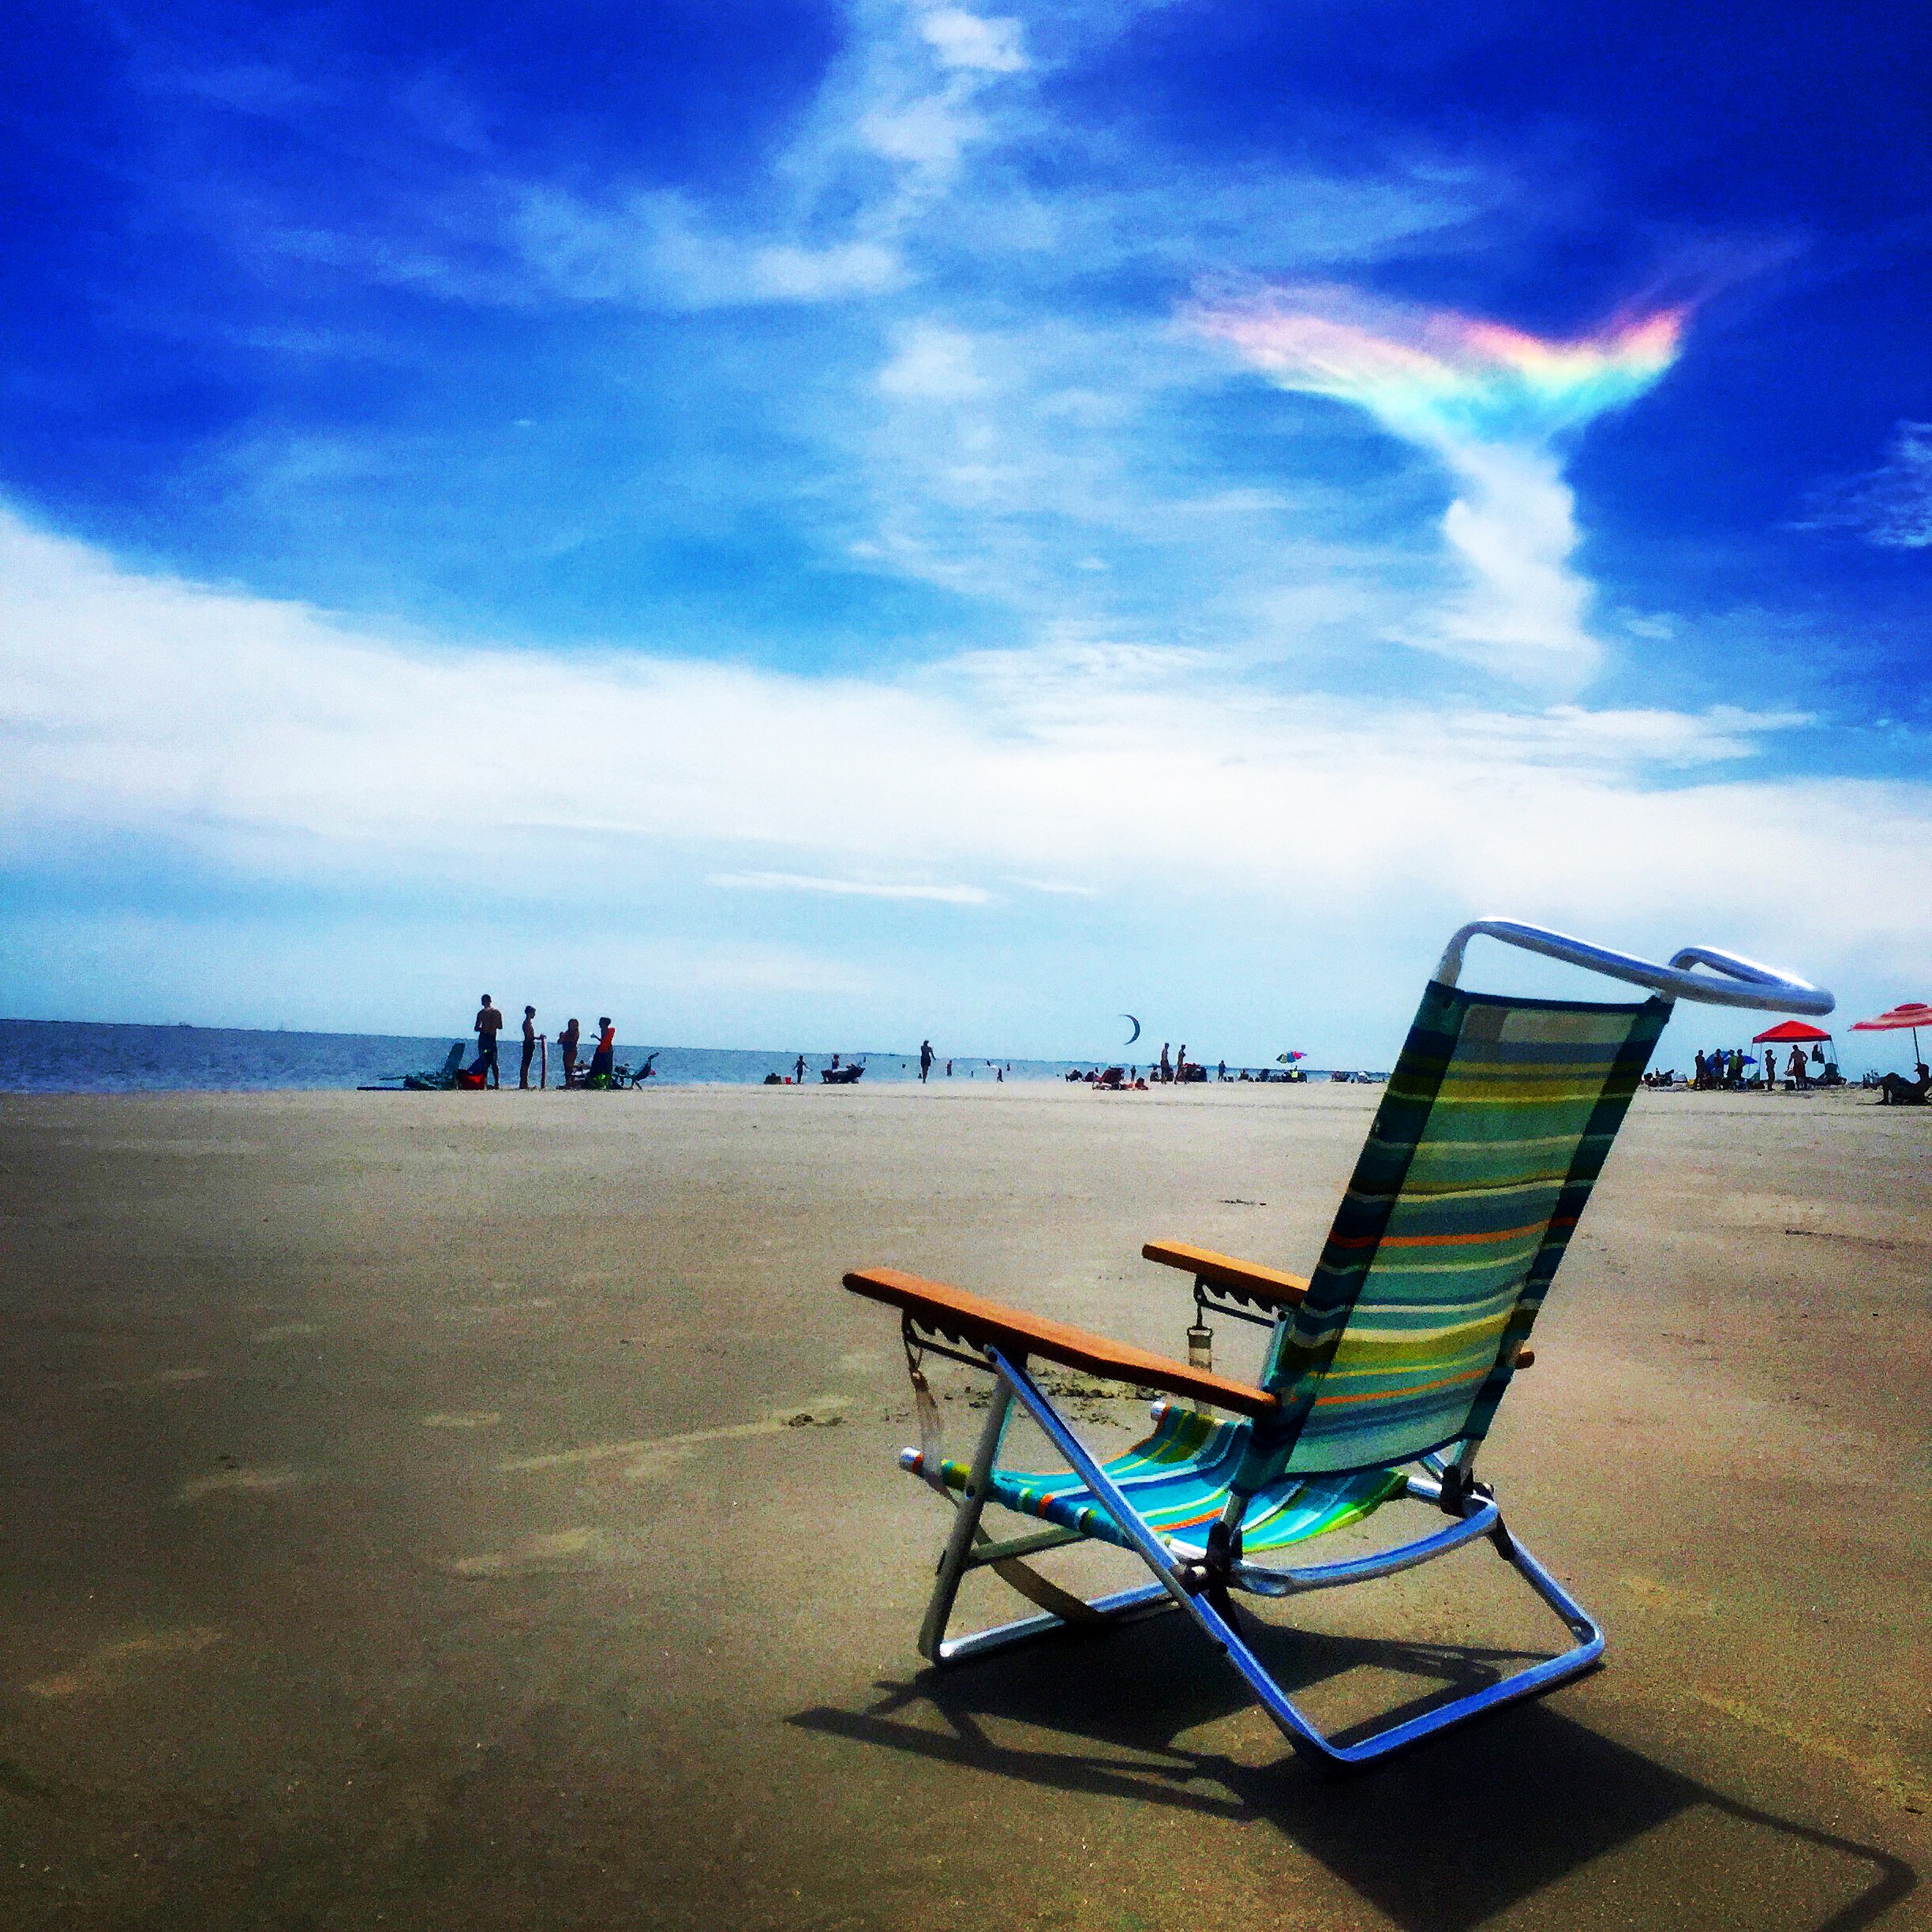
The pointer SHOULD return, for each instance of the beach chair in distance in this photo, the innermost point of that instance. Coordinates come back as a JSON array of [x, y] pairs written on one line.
[[1383, 1370], [440, 1081], [443, 1079]]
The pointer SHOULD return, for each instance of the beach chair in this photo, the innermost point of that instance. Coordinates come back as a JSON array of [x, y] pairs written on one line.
[[1383, 1370], [444, 1077], [437, 1082]]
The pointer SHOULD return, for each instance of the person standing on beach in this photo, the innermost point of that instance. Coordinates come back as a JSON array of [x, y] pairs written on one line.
[[1166, 1066], [1180, 1062], [605, 1057], [567, 1049], [797, 1072], [488, 1023], [926, 1060], [530, 1045]]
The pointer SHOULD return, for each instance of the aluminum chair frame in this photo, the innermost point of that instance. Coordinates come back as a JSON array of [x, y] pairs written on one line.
[[1446, 1485]]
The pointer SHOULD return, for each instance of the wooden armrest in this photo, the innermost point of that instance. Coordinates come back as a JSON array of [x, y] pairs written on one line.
[[970, 1318], [1269, 1287]]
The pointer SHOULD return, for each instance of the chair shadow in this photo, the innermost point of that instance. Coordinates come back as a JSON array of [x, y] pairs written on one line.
[[1498, 1810]]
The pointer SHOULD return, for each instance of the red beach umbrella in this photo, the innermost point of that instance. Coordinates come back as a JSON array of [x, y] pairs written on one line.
[[1791, 1032], [1913, 1013]]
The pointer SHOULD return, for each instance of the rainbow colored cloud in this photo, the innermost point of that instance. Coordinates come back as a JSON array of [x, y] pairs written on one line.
[[1491, 403], [1438, 378]]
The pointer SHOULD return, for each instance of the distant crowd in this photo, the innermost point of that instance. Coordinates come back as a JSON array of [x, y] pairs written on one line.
[[1179, 1070], [1731, 1069]]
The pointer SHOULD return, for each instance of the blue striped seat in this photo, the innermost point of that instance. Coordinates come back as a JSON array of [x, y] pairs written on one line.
[[1178, 1479]]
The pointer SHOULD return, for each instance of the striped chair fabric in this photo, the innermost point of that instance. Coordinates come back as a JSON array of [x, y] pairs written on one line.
[[1492, 1130], [1179, 1480]]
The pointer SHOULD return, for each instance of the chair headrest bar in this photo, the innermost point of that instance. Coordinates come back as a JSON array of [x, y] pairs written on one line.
[[1731, 981]]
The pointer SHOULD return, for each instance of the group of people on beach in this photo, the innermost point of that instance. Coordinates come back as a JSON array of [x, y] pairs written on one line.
[[488, 1023], [1169, 1070], [1727, 1068], [1178, 1070]]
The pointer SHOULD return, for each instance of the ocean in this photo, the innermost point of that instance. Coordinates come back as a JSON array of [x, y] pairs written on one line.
[[46, 1056]]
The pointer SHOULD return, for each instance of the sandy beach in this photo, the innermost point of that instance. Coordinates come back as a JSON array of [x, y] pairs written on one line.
[[457, 1511]]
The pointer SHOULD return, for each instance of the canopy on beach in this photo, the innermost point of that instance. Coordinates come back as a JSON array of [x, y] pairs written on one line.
[[1912, 1014], [1791, 1032]]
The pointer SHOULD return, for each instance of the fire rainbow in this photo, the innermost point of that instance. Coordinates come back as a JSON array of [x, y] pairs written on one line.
[[1438, 377]]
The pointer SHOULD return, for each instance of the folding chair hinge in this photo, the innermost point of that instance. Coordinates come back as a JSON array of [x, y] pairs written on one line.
[[1209, 1577], [1460, 1489]]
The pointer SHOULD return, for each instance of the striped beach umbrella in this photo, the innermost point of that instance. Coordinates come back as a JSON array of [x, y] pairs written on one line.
[[1913, 1013]]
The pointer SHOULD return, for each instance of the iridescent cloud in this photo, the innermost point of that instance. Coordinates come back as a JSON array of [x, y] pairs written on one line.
[[1492, 403], [1435, 376]]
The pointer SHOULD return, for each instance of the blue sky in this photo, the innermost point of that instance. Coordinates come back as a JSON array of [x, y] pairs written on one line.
[[829, 525]]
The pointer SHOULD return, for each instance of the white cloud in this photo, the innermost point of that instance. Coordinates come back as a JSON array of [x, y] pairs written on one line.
[[935, 362], [1890, 507], [849, 888], [895, 118], [1657, 627], [968, 40], [1516, 529], [275, 748], [654, 249]]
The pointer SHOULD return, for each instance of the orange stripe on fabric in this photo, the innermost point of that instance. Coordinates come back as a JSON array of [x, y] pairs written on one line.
[[1403, 1394]]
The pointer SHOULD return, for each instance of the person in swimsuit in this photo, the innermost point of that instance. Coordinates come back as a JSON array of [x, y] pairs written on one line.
[[529, 1044], [488, 1023], [605, 1057], [567, 1046]]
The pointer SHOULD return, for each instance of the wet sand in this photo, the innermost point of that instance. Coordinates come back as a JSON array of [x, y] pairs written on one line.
[[455, 1510]]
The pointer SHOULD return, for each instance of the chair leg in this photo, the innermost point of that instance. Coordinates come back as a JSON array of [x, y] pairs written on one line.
[[1222, 1632], [1063, 1610], [965, 1525], [1582, 1656]]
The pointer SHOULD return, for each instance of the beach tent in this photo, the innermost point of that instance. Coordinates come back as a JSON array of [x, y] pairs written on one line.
[[1796, 1033], [1791, 1033], [1913, 1013]]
